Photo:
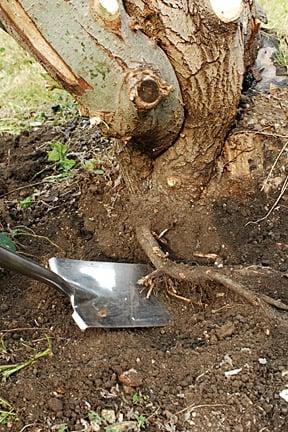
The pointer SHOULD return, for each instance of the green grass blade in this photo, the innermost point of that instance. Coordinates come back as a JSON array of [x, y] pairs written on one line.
[[8, 370]]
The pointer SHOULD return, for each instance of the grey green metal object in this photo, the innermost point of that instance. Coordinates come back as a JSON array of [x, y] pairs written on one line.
[[115, 72]]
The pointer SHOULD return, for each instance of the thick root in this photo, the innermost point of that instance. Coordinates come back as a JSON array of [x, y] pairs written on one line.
[[183, 272]]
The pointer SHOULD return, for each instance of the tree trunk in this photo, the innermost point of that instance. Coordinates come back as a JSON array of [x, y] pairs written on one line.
[[163, 77], [208, 56], [136, 67]]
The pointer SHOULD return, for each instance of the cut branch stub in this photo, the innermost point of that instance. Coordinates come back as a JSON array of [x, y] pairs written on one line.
[[108, 9], [109, 12], [115, 73], [227, 10], [146, 88]]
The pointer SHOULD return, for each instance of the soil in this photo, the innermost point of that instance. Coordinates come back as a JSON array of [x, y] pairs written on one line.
[[180, 384]]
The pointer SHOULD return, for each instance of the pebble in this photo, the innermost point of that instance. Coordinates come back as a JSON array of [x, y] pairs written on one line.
[[128, 390], [284, 394], [284, 410], [226, 330], [232, 372], [127, 426], [131, 378], [108, 415], [55, 404]]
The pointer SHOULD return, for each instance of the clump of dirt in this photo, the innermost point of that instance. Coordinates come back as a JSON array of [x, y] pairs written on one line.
[[220, 365]]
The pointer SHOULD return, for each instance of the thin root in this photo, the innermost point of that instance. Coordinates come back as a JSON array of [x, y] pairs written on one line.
[[148, 282], [184, 299]]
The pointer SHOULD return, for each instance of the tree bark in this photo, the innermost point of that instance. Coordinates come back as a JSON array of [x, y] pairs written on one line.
[[164, 77], [209, 59]]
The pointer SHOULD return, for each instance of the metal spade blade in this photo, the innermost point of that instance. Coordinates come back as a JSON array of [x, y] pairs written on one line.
[[102, 294], [107, 295]]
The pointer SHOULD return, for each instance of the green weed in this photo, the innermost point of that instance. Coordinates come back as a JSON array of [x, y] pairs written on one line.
[[93, 166], [138, 398], [7, 413], [62, 428], [11, 237], [27, 92], [6, 371], [94, 418], [58, 154], [110, 429], [26, 202], [141, 421], [281, 56]]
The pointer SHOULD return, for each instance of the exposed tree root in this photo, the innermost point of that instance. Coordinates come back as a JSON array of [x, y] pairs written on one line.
[[202, 273]]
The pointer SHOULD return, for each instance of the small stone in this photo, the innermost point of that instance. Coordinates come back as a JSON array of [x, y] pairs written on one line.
[[127, 426], [128, 390], [246, 350], [131, 378], [284, 410], [226, 330], [262, 361], [233, 372], [108, 416], [173, 182], [228, 360], [284, 395], [55, 405]]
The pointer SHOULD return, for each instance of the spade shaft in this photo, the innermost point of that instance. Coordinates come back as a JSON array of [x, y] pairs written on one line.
[[12, 261]]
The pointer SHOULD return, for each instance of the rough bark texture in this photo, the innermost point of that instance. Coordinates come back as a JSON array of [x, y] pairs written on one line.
[[136, 70], [209, 59]]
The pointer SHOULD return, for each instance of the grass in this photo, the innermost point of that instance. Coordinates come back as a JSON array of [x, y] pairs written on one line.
[[27, 93], [7, 413], [6, 371], [277, 13]]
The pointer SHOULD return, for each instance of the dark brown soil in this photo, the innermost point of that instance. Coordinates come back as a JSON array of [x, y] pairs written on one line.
[[181, 384]]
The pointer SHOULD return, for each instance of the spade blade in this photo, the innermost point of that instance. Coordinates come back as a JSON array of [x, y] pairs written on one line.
[[107, 295]]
